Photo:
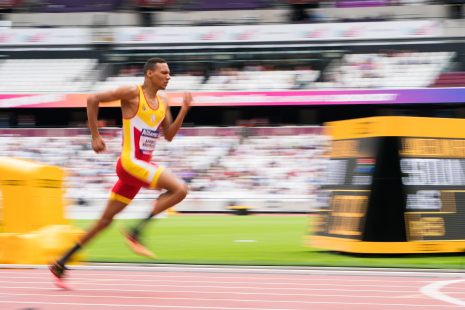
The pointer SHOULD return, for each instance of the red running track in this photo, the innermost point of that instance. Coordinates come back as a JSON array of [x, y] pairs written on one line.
[[230, 288]]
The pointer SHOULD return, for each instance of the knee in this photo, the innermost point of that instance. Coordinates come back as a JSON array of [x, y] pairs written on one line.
[[183, 190]]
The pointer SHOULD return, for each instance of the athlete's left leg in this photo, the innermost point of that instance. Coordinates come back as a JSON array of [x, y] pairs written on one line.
[[58, 267], [121, 196]]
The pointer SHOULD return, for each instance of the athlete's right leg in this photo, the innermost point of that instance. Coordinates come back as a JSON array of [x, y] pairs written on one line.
[[150, 175], [176, 191]]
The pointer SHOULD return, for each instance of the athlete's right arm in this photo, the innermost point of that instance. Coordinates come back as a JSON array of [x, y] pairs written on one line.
[[124, 94]]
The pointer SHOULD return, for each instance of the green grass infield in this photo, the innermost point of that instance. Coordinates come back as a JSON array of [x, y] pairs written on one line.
[[264, 240]]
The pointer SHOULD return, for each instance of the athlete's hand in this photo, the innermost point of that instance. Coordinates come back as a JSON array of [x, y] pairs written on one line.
[[98, 145], [186, 103]]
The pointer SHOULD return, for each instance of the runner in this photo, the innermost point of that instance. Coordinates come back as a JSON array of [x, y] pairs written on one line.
[[144, 113]]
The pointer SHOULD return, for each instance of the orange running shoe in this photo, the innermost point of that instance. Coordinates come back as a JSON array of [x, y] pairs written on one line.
[[136, 247], [59, 273]]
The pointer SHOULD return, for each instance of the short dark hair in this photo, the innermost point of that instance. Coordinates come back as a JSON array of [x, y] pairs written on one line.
[[151, 64]]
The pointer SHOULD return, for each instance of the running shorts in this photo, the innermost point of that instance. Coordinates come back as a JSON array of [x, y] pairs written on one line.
[[131, 180]]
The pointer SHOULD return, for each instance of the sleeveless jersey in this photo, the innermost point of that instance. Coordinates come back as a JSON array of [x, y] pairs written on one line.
[[141, 132]]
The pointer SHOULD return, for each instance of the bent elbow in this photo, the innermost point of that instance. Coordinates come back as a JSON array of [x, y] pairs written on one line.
[[169, 139]]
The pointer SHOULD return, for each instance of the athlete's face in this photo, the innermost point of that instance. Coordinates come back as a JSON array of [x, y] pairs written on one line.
[[160, 76]]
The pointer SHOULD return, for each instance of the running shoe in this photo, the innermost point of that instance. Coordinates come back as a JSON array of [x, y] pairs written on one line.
[[135, 246], [59, 273]]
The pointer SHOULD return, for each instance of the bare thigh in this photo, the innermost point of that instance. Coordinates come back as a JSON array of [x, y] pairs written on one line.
[[167, 180], [113, 207]]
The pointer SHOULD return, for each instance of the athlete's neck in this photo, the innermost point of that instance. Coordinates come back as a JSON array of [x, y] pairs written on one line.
[[149, 90]]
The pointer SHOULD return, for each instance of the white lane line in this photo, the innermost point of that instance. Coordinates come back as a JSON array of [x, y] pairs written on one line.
[[433, 290], [164, 283], [220, 308], [221, 292], [250, 270], [143, 306], [163, 276], [209, 299]]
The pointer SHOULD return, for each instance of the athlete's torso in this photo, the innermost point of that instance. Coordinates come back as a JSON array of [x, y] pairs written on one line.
[[141, 132]]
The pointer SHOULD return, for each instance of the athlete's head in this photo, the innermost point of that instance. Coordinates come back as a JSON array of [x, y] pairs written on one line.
[[157, 71]]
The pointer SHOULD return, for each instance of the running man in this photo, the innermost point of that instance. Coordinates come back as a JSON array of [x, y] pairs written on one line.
[[144, 113]]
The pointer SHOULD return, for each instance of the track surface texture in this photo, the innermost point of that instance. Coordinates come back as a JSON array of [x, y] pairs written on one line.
[[230, 288]]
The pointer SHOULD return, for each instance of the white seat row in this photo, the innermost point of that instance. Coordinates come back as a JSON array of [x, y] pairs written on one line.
[[47, 75], [405, 70]]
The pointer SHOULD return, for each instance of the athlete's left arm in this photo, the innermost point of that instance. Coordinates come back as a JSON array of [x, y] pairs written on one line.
[[170, 128]]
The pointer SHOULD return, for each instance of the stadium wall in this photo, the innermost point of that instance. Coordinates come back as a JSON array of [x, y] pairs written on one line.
[[230, 17]]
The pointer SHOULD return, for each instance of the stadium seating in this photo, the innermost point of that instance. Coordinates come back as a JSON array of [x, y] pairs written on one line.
[[177, 83], [402, 70], [239, 80], [363, 3], [261, 80], [450, 79], [229, 5], [357, 71], [211, 164], [56, 6], [46, 75], [276, 164]]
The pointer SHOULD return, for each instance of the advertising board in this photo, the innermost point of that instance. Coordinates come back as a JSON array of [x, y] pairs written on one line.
[[345, 97]]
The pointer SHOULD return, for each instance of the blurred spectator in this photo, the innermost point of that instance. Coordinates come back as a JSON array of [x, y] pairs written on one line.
[[223, 165]]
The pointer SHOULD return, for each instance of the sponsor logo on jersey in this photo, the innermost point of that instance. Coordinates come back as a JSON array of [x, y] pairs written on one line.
[[153, 118], [150, 133]]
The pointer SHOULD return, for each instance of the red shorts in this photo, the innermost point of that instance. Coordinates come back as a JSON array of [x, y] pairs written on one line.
[[130, 181]]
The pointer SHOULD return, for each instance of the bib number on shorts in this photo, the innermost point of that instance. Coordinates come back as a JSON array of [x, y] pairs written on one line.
[[148, 139]]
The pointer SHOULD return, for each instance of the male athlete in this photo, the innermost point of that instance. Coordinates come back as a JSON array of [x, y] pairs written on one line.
[[144, 112]]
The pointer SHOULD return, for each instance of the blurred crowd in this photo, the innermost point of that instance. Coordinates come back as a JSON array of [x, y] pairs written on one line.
[[291, 165], [389, 69]]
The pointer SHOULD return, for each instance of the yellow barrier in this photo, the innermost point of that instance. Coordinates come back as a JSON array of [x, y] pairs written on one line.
[[32, 195], [34, 227], [38, 247]]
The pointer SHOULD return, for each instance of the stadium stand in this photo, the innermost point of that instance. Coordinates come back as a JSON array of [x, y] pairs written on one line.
[[219, 164], [228, 5], [398, 70], [213, 12], [450, 79], [177, 83], [379, 71], [275, 164], [226, 80], [57, 6], [363, 3], [46, 75], [261, 80]]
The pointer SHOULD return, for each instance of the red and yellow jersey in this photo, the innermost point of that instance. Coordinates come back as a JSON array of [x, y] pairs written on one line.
[[140, 135]]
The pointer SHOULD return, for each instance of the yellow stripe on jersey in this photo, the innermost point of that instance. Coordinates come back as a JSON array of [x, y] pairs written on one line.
[[154, 182]]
